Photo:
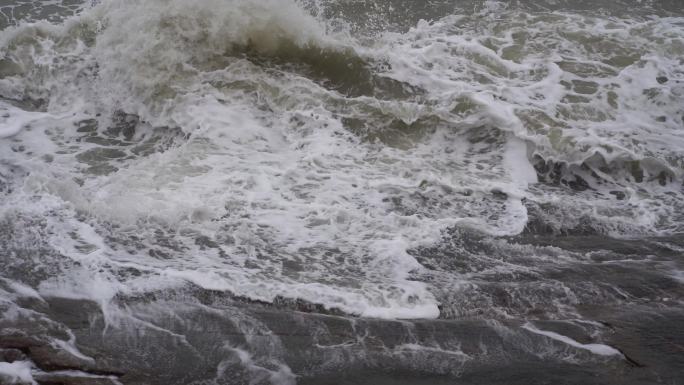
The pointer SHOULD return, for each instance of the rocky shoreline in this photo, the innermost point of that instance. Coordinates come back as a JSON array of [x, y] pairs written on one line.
[[227, 341], [191, 335]]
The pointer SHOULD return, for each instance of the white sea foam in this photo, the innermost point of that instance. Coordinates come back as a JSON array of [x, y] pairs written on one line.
[[18, 372], [13, 119], [251, 178], [20, 290], [600, 349], [570, 104]]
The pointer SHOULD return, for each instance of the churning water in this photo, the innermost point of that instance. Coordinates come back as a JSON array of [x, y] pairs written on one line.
[[341, 192]]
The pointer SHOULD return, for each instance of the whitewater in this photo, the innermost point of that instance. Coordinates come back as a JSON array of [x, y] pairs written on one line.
[[333, 192]]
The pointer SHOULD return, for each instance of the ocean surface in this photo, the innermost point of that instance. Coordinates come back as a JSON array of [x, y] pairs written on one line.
[[341, 192]]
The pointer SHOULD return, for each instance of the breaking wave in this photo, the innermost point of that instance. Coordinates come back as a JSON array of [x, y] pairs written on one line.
[[269, 150]]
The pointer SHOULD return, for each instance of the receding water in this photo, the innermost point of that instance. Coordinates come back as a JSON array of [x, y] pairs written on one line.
[[341, 192]]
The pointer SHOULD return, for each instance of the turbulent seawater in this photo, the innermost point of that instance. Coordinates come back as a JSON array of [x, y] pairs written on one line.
[[341, 192]]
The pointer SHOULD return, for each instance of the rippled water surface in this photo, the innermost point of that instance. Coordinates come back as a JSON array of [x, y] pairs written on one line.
[[341, 192]]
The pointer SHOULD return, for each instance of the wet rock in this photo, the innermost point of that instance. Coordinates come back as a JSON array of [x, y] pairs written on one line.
[[650, 340], [578, 184], [19, 342], [49, 358], [172, 341], [619, 195], [662, 79], [11, 355], [73, 379], [499, 194]]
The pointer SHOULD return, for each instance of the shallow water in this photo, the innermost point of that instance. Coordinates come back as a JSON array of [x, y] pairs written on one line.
[[338, 192]]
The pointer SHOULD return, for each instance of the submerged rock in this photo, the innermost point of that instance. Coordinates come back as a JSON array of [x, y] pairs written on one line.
[[11, 355]]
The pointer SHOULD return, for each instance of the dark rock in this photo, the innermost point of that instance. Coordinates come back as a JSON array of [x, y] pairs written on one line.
[[650, 341], [19, 342], [499, 194], [63, 379], [174, 341], [619, 195], [11, 355], [49, 358], [578, 184], [662, 79]]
